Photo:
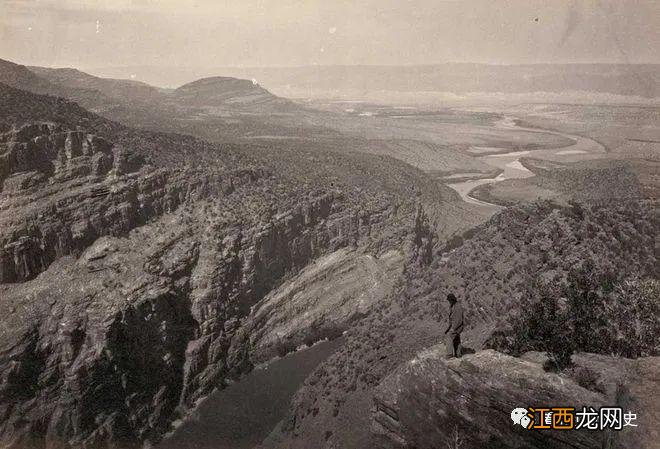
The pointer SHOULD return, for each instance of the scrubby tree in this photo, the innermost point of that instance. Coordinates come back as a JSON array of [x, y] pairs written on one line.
[[591, 311]]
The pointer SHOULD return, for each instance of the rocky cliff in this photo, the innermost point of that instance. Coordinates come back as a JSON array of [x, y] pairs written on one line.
[[322, 301], [489, 268], [62, 189], [85, 338], [129, 289], [430, 402]]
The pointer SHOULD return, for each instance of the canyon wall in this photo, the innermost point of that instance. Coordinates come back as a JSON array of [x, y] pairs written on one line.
[[125, 287]]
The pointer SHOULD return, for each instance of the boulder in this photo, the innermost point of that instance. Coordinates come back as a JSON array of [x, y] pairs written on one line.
[[430, 402]]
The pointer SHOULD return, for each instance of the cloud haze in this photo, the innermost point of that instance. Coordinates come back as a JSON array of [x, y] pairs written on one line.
[[202, 33]]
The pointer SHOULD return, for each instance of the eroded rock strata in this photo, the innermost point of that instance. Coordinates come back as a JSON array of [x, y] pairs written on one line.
[[126, 287], [490, 268]]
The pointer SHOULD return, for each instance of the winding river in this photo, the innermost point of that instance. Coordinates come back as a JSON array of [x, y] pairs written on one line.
[[243, 414], [509, 163]]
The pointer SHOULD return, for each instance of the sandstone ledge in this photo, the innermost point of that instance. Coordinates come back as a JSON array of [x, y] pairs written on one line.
[[429, 402]]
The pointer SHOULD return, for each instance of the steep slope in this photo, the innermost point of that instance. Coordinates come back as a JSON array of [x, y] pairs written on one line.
[[125, 90], [130, 262], [20, 106], [141, 270], [490, 271], [218, 109], [20, 77]]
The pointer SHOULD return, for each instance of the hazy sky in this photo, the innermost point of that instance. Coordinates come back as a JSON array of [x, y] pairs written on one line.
[[213, 33]]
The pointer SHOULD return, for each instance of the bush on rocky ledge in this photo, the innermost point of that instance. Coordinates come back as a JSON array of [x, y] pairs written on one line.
[[591, 311]]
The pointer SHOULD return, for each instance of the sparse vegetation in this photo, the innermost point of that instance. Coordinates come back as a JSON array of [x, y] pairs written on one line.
[[572, 277], [586, 378], [456, 440], [322, 332], [581, 277], [591, 312], [597, 295]]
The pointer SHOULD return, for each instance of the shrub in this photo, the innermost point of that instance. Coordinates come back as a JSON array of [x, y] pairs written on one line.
[[634, 309], [283, 347], [586, 378], [544, 324], [590, 312], [317, 333]]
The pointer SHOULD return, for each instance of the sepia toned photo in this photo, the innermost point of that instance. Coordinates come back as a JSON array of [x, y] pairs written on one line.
[[339, 224]]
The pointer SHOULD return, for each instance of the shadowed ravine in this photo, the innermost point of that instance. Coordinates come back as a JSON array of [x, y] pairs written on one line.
[[243, 414]]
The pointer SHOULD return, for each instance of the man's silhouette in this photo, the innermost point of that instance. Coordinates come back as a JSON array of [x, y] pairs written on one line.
[[454, 327]]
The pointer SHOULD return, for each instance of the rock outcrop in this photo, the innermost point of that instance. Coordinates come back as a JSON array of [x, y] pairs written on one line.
[[488, 271], [131, 263], [321, 301], [62, 189], [432, 402], [126, 288], [102, 350]]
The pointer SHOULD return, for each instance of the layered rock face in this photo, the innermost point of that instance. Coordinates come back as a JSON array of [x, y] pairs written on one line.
[[317, 304], [62, 189], [488, 272], [126, 289], [35, 153], [105, 348], [45, 160], [430, 402]]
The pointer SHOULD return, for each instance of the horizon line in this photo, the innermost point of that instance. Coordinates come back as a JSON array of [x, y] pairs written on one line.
[[433, 64], [301, 66]]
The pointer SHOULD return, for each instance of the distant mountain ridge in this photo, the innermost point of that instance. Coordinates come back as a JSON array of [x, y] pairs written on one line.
[[620, 79], [20, 77], [107, 95], [227, 91], [198, 232], [113, 88], [216, 108]]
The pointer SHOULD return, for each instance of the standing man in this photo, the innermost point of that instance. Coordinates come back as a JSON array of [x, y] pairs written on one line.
[[454, 327]]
